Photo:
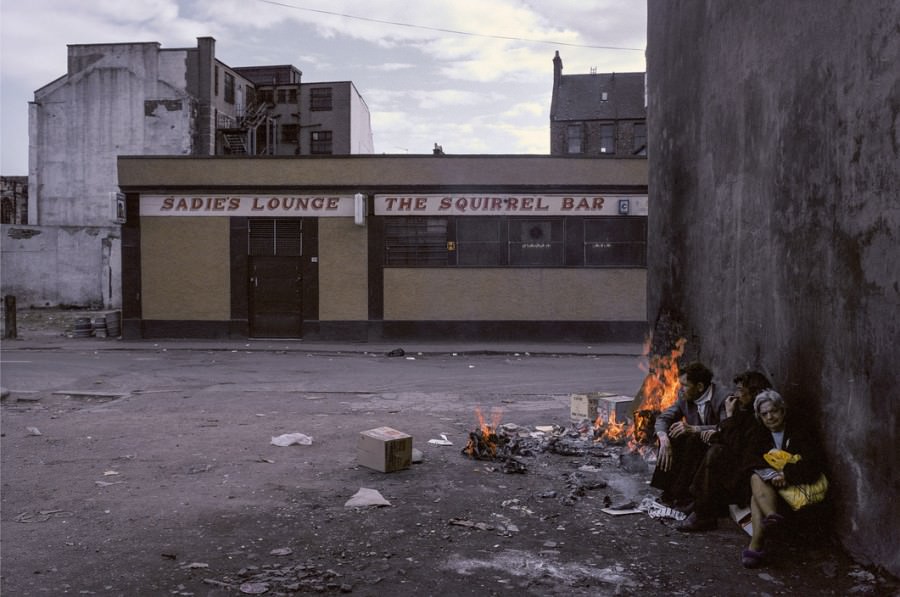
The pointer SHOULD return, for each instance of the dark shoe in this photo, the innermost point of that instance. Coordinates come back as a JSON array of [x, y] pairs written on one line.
[[696, 524], [685, 506], [751, 558], [772, 520]]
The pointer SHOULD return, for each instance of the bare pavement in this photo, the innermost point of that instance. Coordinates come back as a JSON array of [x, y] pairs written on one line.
[[147, 468]]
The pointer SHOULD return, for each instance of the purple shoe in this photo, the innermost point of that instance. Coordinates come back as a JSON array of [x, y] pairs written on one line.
[[751, 558]]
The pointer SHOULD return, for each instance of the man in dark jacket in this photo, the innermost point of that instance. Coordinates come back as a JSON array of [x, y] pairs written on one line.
[[684, 430], [720, 479]]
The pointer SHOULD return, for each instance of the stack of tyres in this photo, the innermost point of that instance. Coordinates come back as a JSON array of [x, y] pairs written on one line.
[[113, 324], [83, 328]]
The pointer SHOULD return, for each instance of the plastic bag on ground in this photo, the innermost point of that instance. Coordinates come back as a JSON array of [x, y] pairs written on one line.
[[289, 439]]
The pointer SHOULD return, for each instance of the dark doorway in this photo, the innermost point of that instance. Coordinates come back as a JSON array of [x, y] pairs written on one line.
[[275, 278]]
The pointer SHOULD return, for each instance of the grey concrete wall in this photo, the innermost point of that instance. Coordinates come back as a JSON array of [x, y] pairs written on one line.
[[45, 266], [774, 146]]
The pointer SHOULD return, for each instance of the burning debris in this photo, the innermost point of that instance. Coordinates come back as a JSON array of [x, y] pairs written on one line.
[[495, 443]]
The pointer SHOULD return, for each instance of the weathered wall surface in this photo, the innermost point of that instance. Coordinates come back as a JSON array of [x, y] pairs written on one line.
[[774, 144], [61, 265]]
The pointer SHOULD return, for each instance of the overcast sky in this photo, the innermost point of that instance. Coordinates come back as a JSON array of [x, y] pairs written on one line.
[[474, 76]]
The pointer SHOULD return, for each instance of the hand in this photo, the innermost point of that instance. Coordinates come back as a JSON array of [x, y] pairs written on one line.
[[730, 405], [664, 458], [779, 481], [680, 427], [707, 434]]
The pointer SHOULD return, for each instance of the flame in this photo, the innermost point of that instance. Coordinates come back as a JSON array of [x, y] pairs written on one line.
[[660, 388], [485, 435], [611, 430]]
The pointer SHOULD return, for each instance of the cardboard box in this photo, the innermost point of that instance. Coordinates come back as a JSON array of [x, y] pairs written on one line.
[[742, 517], [590, 406], [384, 449]]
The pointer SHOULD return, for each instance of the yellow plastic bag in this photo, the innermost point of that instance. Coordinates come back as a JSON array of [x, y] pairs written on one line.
[[798, 496], [778, 458]]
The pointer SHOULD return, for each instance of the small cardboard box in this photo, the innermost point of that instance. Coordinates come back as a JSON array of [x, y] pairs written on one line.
[[621, 405], [384, 449], [742, 517], [589, 406]]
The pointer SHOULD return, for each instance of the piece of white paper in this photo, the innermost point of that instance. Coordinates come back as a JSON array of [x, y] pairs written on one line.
[[441, 442], [365, 498], [289, 439]]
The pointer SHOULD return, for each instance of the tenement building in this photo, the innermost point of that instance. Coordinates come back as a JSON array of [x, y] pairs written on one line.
[[598, 114], [384, 246]]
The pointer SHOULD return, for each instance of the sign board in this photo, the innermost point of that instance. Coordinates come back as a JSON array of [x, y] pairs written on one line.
[[117, 207], [509, 205], [269, 206]]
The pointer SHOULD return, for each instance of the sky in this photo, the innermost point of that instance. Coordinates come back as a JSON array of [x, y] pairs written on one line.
[[474, 76]]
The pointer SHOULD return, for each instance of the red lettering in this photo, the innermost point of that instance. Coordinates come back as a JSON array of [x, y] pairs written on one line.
[[390, 203], [527, 202], [512, 204], [568, 203], [197, 203], [257, 205], [406, 203], [318, 203], [421, 202], [182, 205], [333, 203], [462, 204], [234, 203], [583, 204], [496, 203], [168, 203], [446, 203], [540, 204], [598, 202]]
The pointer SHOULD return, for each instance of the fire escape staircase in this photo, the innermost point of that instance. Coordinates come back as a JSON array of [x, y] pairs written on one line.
[[236, 141]]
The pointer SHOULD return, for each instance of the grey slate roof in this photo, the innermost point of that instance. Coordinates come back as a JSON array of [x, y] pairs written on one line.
[[579, 97]]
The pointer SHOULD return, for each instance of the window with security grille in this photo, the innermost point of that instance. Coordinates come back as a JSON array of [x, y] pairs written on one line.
[[320, 98], [536, 242], [615, 241], [275, 237], [415, 241]]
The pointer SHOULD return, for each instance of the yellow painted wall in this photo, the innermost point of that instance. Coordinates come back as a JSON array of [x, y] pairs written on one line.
[[185, 268], [529, 294], [343, 270]]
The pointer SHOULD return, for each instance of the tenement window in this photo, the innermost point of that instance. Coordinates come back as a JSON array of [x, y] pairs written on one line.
[[229, 88], [320, 142], [320, 98], [574, 136], [607, 138]]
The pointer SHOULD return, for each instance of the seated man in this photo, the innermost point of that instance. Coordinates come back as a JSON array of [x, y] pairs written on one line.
[[720, 479], [683, 430]]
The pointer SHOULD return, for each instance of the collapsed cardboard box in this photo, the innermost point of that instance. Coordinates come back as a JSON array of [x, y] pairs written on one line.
[[742, 517], [384, 449], [602, 404]]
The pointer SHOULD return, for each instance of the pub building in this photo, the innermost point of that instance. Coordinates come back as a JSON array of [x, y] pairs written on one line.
[[381, 247]]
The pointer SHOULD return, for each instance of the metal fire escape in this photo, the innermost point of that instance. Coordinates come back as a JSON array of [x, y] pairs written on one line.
[[241, 140]]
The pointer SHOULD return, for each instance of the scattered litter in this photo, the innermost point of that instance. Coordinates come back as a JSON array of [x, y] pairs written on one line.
[[410, 358], [33, 431], [196, 565], [110, 473], [254, 588], [289, 439], [108, 483], [40, 515], [656, 510], [397, 352], [417, 456], [265, 460], [366, 497], [441, 442], [169, 556], [544, 428], [615, 512], [281, 551]]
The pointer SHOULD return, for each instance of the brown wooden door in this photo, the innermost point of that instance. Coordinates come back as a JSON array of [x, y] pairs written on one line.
[[276, 291]]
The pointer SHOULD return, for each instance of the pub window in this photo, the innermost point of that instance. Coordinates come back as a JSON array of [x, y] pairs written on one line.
[[478, 241], [229, 88], [536, 242], [615, 241], [573, 138], [271, 237], [640, 138], [415, 241], [607, 138], [320, 98], [320, 142]]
